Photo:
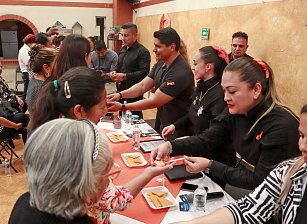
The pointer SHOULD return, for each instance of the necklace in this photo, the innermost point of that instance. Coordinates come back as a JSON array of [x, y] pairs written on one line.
[[201, 96]]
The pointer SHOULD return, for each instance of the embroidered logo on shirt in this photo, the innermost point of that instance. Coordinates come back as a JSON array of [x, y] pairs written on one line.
[[170, 83], [259, 136]]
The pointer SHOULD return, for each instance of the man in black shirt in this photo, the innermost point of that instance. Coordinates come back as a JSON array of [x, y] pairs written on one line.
[[172, 78], [239, 46], [133, 63]]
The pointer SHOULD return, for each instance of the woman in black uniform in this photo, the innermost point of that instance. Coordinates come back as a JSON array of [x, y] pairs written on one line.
[[208, 102], [260, 129]]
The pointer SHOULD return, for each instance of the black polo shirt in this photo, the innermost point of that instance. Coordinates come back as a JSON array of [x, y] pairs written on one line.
[[176, 81]]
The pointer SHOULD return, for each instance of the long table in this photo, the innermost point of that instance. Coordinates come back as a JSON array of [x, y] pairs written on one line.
[[139, 211]]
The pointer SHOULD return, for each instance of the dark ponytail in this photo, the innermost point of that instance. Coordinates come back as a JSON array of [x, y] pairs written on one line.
[[85, 88]]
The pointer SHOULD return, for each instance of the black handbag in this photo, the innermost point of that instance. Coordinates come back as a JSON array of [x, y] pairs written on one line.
[[6, 109]]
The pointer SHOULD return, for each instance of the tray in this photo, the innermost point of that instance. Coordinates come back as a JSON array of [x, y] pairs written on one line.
[[169, 196], [125, 157], [117, 136]]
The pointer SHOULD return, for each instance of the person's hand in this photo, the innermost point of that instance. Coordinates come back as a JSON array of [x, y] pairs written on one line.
[[18, 126], [195, 164], [113, 97], [161, 152], [153, 171], [114, 106], [20, 101], [118, 77], [167, 131], [112, 75]]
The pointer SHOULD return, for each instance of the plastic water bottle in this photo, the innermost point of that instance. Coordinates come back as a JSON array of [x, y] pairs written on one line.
[[136, 135], [7, 168], [128, 119], [200, 196], [124, 112]]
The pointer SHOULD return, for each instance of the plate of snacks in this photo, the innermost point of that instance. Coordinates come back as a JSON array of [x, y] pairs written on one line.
[[133, 159], [158, 197], [117, 136]]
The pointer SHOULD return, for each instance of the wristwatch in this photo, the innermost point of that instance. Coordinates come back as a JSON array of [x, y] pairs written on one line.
[[207, 170], [123, 107]]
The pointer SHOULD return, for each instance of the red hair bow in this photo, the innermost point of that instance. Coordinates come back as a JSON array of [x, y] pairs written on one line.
[[221, 53], [264, 66]]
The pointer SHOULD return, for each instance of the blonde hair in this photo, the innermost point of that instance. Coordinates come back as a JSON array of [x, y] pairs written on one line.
[[62, 174]]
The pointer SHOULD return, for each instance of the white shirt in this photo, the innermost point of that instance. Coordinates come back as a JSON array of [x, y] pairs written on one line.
[[23, 58]]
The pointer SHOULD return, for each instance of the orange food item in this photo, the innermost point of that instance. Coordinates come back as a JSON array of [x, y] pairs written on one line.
[[158, 198], [159, 163], [133, 160]]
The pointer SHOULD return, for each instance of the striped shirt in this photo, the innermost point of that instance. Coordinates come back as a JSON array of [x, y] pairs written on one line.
[[261, 204]]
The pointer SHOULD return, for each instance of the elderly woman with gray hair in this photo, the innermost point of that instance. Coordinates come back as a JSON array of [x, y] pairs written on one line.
[[71, 174]]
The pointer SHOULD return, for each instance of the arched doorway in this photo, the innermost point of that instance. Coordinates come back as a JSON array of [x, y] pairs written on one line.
[[13, 29]]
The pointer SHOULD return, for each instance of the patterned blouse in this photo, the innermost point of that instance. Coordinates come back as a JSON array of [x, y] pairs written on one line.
[[261, 204], [113, 199]]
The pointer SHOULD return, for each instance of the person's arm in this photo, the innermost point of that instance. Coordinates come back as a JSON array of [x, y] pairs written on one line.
[[134, 91], [9, 124], [138, 183], [217, 135], [183, 122], [157, 100]]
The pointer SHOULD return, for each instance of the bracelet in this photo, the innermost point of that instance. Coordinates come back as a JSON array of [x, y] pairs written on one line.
[[121, 95]]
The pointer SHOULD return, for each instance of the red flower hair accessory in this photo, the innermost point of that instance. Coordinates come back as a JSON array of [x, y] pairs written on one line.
[[263, 66], [221, 53]]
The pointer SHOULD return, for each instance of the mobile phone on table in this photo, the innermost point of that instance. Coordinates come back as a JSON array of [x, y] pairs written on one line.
[[189, 187]]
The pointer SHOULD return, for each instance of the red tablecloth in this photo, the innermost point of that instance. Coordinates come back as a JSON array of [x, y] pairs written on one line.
[[139, 208]]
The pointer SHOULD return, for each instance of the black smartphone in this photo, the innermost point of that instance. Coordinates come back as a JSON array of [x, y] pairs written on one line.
[[189, 187]]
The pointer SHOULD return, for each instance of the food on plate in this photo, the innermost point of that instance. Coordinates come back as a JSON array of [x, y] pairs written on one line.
[[159, 163], [117, 137], [158, 193], [133, 160], [158, 198]]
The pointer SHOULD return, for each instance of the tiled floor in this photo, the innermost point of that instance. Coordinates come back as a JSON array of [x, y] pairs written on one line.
[[12, 187]]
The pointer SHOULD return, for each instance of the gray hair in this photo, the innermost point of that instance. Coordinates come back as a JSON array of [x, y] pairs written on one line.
[[60, 167]]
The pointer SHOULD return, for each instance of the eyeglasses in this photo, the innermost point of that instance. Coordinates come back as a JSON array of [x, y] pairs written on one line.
[[114, 174]]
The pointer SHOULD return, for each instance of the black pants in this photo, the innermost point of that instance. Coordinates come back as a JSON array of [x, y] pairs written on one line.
[[9, 132], [25, 78]]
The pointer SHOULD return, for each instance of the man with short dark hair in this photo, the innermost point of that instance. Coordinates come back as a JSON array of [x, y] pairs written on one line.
[[133, 63], [103, 59], [239, 46], [172, 78]]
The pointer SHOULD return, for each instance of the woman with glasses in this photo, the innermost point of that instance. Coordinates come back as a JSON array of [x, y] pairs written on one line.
[[80, 94], [70, 178]]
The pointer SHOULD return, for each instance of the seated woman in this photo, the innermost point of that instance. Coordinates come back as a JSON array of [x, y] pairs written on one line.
[[80, 93], [208, 102], [41, 62], [260, 129], [284, 189], [8, 126]]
